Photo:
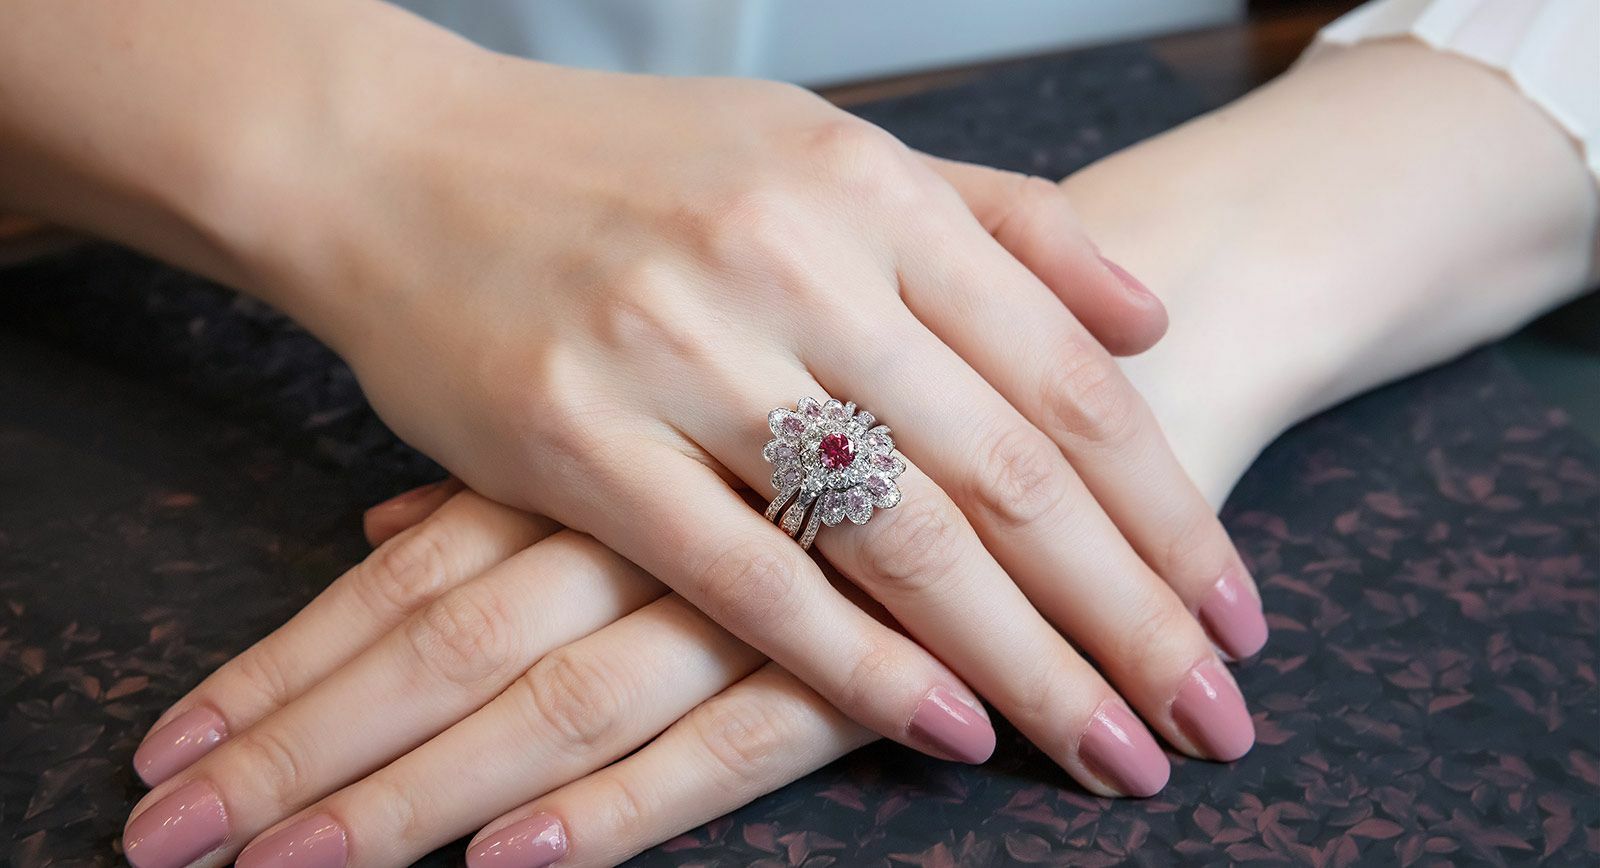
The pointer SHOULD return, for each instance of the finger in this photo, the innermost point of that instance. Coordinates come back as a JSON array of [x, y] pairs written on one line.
[[580, 708], [464, 537], [923, 561], [457, 653], [1033, 220], [1036, 517], [682, 522], [751, 739], [404, 510], [1005, 325]]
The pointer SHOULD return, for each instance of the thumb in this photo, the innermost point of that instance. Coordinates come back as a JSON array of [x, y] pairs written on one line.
[[1032, 219]]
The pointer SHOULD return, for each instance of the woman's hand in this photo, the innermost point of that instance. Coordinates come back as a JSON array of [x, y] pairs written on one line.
[[476, 662], [584, 292], [311, 741]]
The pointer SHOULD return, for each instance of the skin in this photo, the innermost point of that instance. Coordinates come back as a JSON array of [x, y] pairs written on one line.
[[597, 333], [740, 726], [634, 260]]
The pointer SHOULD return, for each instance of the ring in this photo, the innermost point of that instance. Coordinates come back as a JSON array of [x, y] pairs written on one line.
[[833, 460]]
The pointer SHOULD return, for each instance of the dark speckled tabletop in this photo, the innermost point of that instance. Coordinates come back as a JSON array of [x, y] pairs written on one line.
[[180, 470]]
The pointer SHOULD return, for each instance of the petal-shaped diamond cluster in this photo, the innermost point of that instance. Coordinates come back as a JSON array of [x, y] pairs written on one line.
[[833, 454]]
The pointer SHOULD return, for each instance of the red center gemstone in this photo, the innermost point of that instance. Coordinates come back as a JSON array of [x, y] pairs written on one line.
[[836, 451]]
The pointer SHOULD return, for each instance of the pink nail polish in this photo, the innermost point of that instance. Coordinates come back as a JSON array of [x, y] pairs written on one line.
[[535, 842], [1118, 749], [1210, 711], [315, 842], [1129, 282], [177, 744], [1232, 615], [189, 823], [952, 727]]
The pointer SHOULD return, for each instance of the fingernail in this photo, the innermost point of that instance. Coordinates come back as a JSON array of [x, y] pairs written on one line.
[[315, 842], [1128, 281], [532, 843], [177, 744], [1210, 711], [187, 824], [1232, 615], [952, 727], [1120, 751], [406, 497]]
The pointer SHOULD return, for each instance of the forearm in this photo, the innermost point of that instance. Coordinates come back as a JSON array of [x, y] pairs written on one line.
[[197, 132], [1362, 217]]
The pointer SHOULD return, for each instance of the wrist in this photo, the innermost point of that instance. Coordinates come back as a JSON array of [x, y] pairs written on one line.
[[303, 205], [1301, 266]]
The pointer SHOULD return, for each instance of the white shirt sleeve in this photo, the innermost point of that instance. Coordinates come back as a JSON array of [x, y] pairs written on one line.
[[1548, 48]]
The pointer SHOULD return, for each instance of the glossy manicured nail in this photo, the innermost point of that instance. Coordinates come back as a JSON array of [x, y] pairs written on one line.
[[1232, 615], [952, 727], [1128, 281], [1210, 711], [535, 842], [187, 824], [1120, 751], [315, 842], [177, 744]]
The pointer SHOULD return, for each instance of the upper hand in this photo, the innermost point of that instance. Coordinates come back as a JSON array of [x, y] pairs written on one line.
[[587, 308]]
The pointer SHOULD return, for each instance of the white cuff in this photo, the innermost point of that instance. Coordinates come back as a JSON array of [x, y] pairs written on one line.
[[1548, 48]]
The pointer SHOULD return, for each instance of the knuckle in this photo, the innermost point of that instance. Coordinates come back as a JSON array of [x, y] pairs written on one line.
[[750, 585], [1088, 400], [409, 570], [1022, 478], [1156, 640], [1031, 199], [1038, 694], [875, 666], [864, 162], [265, 756], [465, 637], [572, 695], [916, 546], [399, 816], [621, 805], [742, 736], [262, 675], [1196, 544]]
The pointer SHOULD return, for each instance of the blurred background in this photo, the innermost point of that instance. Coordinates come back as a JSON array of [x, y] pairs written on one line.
[[814, 43]]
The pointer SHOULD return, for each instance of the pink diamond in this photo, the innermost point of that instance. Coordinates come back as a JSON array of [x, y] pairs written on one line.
[[836, 451]]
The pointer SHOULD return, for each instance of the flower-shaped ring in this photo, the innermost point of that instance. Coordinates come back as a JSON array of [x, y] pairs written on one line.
[[832, 460]]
